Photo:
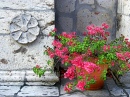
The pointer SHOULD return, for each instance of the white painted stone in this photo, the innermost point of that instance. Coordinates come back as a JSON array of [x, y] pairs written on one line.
[[8, 91], [124, 7], [6, 16], [124, 27], [27, 77], [12, 83], [46, 31], [86, 1], [26, 58], [37, 91], [12, 76], [17, 59], [27, 4]]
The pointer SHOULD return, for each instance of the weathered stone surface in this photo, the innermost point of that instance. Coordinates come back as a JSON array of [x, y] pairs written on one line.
[[6, 16], [108, 4], [98, 93], [24, 56], [27, 4], [8, 91], [125, 79], [114, 89], [37, 91], [66, 23], [27, 77], [124, 27], [76, 94], [86, 17], [124, 7], [86, 1], [66, 6], [47, 30]]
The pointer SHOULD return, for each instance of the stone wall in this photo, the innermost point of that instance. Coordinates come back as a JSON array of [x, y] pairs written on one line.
[[16, 59], [75, 15], [123, 18]]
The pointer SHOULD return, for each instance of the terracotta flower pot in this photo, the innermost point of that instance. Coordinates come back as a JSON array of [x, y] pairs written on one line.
[[97, 75]]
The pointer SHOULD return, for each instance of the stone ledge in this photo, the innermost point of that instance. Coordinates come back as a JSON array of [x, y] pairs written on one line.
[[27, 77]]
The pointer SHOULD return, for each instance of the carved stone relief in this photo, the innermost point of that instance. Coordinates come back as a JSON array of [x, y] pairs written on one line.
[[24, 28]]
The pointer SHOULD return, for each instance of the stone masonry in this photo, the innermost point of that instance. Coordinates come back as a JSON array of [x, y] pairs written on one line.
[[16, 59], [75, 15]]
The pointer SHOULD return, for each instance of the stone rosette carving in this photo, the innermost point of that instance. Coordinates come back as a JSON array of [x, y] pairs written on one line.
[[24, 28]]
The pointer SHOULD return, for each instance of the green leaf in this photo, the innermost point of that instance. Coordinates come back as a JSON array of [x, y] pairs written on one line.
[[48, 62]]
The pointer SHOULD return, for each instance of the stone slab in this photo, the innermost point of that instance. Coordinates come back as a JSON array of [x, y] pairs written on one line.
[[27, 4], [114, 89], [124, 26], [6, 91], [43, 17], [37, 91], [75, 94]]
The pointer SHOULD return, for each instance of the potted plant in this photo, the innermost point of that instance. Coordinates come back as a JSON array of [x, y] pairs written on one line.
[[89, 57]]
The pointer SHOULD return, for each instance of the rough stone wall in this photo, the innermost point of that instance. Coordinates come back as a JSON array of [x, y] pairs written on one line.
[[17, 60], [123, 18], [75, 15]]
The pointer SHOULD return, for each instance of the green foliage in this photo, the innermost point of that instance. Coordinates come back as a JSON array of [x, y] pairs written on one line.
[[39, 71]]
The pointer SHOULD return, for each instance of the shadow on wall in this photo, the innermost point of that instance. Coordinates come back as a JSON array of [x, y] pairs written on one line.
[[75, 15]]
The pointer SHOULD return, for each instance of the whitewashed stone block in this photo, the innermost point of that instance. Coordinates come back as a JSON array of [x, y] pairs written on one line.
[[17, 60], [124, 27], [27, 4], [6, 16], [124, 7], [23, 56]]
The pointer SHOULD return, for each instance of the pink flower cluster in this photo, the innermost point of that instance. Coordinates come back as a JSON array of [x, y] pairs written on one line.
[[81, 85], [106, 48], [68, 87], [90, 67], [94, 30], [70, 73], [70, 35], [123, 56]]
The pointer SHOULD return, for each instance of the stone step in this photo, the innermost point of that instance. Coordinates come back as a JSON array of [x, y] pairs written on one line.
[[35, 91]]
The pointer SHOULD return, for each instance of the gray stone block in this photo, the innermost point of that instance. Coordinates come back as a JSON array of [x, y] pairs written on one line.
[[66, 23], [66, 6], [114, 89], [27, 4], [75, 94], [86, 17], [108, 4], [86, 1]]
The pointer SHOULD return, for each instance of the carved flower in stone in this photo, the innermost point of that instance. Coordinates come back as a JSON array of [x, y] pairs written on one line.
[[24, 28]]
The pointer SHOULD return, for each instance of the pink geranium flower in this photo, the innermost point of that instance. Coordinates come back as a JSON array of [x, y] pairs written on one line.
[[70, 73], [81, 85]]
